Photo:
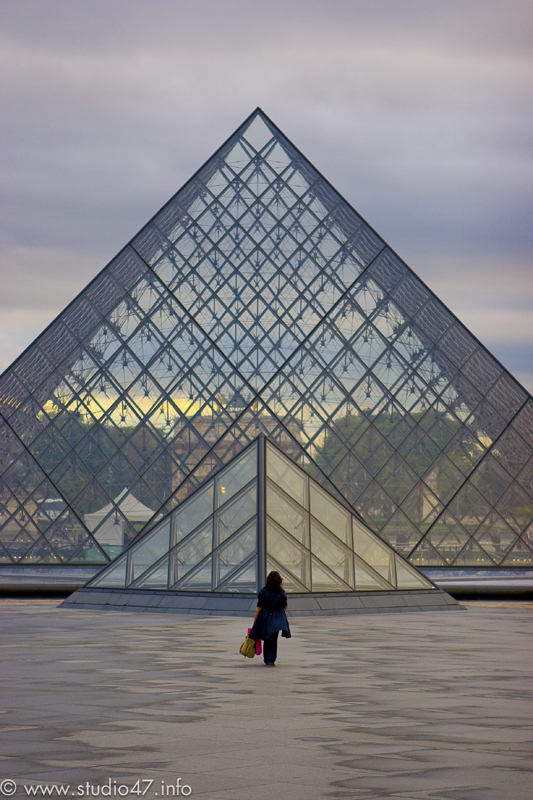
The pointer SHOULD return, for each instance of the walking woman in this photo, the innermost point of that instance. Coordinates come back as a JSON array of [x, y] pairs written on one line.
[[270, 617]]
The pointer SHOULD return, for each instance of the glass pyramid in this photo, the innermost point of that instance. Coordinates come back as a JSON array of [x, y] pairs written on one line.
[[258, 301], [261, 512]]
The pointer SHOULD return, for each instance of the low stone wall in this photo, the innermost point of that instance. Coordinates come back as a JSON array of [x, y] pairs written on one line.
[[242, 605]]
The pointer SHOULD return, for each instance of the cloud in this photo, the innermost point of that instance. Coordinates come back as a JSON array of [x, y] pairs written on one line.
[[418, 112]]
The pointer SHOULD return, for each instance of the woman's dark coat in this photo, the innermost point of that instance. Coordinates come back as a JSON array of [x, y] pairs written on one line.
[[272, 616]]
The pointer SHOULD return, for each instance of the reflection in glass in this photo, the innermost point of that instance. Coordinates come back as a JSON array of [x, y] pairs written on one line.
[[156, 578], [235, 552], [473, 556], [115, 576], [234, 515], [330, 551], [331, 514], [199, 579], [425, 555], [188, 516], [235, 477], [289, 477], [519, 556], [324, 581], [373, 552], [368, 581], [495, 537], [188, 554], [292, 517], [448, 539], [244, 580], [290, 584], [407, 578], [288, 553], [150, 549]]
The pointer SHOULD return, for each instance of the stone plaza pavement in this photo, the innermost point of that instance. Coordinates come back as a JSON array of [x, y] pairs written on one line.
[[431, 705]]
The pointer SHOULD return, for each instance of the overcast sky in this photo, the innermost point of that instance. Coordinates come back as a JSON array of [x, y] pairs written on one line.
[[418, 111]]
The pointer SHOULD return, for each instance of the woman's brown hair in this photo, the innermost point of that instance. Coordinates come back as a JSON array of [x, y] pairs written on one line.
[[273, 581]]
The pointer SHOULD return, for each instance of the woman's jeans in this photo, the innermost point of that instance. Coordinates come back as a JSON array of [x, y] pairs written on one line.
[[270, 648]]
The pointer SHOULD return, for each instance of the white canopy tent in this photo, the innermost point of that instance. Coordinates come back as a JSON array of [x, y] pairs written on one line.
[[108, 523]]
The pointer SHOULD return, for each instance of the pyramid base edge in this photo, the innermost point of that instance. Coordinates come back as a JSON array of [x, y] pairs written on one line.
[[243, 605]]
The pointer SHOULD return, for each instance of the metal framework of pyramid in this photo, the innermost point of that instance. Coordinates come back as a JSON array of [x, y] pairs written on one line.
[[260, 513], [258, 301]]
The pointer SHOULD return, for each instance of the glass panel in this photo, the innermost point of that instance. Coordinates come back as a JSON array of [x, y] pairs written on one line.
[[520, 556], [367, 581], [232, 517], [257, 133], [447, 537], [407, 578], [422, 508], [188, 516], [290, 584], [88, 553], [289, 515], [150, 549], [156, 578], [66, 534], [516, 507], [15, 540], [109, 527], [372, 450], [200, 579], [350, 478], [235, 552], [464, 451], [397, 479], [373, 552], [114, 576], [425, 555], [188, 554], [490, 479], [444, 478], [338, 558], [495, 537], [525, 479], [288, 553], [401, 534], [330, 514], [244, 580], [41, 553], [482, 370], [506, 396], [324, 581], [469, 508], [236, 476], [473, 556], [289, 477], [419, 450], [523, 422], [511, 451]]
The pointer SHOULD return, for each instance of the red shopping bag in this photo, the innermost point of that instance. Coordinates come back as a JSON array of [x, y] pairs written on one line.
[[258, 646]]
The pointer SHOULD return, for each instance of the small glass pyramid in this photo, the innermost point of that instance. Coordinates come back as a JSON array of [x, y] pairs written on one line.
[[258, 301], [261, 512]]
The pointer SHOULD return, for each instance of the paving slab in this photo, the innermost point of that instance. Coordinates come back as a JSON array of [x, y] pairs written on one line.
[[411, 706]]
